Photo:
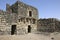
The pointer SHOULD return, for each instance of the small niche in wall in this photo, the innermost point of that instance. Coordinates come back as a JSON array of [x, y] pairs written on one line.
[[34, 21], [19, 20]]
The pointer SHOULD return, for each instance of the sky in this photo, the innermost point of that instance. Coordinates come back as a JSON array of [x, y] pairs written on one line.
[[46, 8]]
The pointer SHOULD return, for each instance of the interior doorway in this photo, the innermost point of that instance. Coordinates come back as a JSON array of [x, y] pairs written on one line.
[[13, 29], [29, 29]]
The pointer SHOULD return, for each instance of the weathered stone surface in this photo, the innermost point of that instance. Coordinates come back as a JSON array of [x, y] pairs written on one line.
[[48, 25], [18, 15]]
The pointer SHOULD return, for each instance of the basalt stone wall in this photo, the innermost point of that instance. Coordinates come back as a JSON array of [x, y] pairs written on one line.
[[19, 15], [4, 27], [48, 25]]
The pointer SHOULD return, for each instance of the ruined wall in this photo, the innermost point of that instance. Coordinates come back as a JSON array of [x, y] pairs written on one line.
[[3, 24], [23, 10], [48, 25], [23, 24], [18, 14], [25, 19]]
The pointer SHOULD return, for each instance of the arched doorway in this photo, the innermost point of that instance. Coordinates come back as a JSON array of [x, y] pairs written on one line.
[[13, 29], [29, 29]]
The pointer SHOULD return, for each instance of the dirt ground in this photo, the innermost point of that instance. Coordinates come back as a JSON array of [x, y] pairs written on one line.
[[31, 36]]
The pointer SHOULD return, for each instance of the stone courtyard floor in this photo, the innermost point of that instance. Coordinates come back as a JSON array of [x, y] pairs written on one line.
[[31, 36]]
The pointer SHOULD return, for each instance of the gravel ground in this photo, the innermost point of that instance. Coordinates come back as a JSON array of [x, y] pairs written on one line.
[[31, 36]]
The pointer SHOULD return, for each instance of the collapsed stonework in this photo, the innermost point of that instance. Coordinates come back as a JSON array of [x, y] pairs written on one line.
[[48, 25], [19, 18]]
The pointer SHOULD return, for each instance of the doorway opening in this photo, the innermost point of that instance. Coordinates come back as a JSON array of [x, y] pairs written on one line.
[[13, 29], [29, 29]]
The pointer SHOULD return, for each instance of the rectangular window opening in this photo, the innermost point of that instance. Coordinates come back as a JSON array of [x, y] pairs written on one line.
[[30, 13]]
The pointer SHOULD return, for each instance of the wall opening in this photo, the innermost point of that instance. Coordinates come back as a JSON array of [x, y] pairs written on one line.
[[13, 29], [30, 13], [29, 29]]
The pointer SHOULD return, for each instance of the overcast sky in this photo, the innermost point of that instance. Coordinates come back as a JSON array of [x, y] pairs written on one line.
[[46, 8]]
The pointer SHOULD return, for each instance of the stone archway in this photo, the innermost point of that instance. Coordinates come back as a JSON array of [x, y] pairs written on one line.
[[13, 29], [29, 29]]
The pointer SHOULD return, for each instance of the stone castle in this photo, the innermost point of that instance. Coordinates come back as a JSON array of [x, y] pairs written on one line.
[[20, 18]]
